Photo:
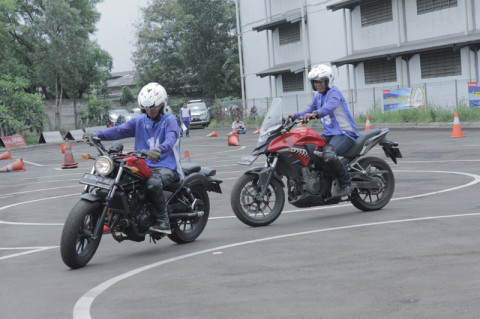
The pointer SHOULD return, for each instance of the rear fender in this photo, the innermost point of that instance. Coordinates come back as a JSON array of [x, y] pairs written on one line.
[[212, 185]]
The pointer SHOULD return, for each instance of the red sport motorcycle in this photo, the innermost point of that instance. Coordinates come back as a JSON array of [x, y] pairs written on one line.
[[300, 155]]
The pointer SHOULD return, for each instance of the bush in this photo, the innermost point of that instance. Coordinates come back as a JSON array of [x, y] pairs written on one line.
[[95, 112]]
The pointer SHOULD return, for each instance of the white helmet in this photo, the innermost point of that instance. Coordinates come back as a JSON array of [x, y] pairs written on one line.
[[321, 72], [151, 95]]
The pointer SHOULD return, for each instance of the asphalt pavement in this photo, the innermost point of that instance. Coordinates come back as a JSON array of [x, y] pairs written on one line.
[[416, 258]]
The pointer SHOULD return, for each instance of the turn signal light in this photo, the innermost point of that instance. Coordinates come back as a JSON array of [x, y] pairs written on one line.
[[86, 156]]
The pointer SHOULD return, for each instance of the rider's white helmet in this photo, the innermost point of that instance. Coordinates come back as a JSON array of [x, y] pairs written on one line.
[[321, 72], [151, 95]]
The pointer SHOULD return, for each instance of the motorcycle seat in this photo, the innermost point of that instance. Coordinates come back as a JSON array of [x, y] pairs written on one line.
[[189, 168], [360, 142]]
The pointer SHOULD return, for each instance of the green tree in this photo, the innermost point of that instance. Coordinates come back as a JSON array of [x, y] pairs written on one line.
[[126, 96], [19, 111], [189, 45], [47, 42]]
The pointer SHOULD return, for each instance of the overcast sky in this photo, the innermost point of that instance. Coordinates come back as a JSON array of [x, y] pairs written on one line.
[[115, 30]]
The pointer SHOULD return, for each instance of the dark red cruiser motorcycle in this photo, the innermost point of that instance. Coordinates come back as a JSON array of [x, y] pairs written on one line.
[[300, 155], [115, 196]]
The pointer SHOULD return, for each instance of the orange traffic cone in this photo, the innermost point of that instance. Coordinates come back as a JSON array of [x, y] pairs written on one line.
[[457, 130], [18, 165], [106, 230], [233, 140], [368, 126], [63, 146], [234, 132], [6, 155], [256, 132], [213, 134], [69, 162], [187, 158]]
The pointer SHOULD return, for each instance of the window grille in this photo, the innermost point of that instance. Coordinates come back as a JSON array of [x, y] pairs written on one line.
[[380, 71], [292, 82], [289, 33], [424, 6], [440, 63], [377, 11]]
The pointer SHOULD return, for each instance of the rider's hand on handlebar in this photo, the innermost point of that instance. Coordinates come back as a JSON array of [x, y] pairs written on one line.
[[307, 117], [86, 137], [154, 154], [290, 117]]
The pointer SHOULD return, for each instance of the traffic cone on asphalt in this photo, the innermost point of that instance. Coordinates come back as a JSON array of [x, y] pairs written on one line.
[[213, 134], [106, 230], [457, 130], [18, 165], [368, 125], [256, 132], [234, 132], [69, 162], [6, 155], [233, 140], [186, 158]]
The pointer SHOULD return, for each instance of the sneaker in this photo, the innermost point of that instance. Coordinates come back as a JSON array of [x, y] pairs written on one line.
[[345, 190], [188, 135], [161, 227]]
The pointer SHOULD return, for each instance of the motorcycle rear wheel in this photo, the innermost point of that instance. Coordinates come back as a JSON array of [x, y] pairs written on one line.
[[251, 211], [186, 231], [374, 199], [76, 245]]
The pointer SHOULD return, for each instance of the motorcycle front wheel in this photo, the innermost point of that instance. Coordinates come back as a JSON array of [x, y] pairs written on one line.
[[250, 209], [187, 230], [77, 246], [369, 199]]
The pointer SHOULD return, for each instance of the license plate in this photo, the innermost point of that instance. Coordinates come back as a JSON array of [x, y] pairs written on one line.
[[247, 159], [97, 181]]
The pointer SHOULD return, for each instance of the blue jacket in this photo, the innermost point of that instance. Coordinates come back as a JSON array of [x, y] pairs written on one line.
[[161, 133], [333, 109]]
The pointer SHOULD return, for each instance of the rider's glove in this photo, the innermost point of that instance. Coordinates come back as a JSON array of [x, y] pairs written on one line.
[[290, 117], [154, 154], [88, 135], [307, 117]]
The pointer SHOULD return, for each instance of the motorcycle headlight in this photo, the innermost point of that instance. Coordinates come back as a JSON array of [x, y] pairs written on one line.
[[262, 139], [104, 165]]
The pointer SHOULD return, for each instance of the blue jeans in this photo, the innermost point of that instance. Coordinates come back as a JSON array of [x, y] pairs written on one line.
[[341, 143], [241, 130]]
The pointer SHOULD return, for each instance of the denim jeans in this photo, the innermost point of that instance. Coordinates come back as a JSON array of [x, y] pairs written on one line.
[[341, 143]]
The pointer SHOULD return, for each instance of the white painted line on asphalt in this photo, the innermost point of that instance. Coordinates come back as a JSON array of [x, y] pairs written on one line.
[[37, 190], [30, 250], [82, 307], [45, 176], [32, 163], [42, 182], [34, 201]]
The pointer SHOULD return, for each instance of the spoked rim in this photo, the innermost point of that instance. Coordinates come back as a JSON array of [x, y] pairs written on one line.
[[256, 208], [84, 237], [190, 225], [373, 196]]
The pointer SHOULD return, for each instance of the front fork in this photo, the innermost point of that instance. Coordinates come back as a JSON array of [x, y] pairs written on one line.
[[99, 226], [265, 179]]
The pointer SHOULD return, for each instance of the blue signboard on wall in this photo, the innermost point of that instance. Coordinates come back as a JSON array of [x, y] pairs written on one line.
[[474, 94], [404, 99]]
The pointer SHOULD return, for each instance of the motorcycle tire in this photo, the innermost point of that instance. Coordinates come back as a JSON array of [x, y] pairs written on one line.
[[76, 245], [252, 212], [374, 199], [186, 231]]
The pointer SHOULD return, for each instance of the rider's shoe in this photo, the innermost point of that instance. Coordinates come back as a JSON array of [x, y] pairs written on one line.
[[161, 226], [345, 190]]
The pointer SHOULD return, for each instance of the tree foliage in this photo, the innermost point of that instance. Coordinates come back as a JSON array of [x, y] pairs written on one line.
[[47, 43], [19, 110], [189, 46], [126, 96]]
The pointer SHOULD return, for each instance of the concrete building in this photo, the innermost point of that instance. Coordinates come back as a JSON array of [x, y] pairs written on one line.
[[374, 45]]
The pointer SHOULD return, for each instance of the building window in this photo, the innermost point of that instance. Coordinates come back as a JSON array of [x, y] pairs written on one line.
[[292, 82], [289, 33], [424, 6], [377, 11], [440, 63], [380, 71]]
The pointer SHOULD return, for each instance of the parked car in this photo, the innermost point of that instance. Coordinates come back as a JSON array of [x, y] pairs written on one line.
[[123, 118], [200, 113], [112, 116]]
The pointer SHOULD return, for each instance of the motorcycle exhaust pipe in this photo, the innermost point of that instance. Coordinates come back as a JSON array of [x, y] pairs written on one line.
[[199, 213]]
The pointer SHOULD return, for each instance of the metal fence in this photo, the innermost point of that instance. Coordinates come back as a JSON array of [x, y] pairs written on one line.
[[445, 94]]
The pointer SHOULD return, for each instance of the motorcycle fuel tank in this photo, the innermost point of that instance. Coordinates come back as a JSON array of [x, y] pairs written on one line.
[[296, 137]]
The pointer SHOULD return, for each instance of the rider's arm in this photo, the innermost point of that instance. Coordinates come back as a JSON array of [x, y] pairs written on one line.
[[310, 109], [331, 103], [171, 136], [117, 132]]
